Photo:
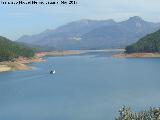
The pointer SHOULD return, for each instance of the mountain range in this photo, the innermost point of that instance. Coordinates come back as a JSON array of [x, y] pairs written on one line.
[[93, 34]]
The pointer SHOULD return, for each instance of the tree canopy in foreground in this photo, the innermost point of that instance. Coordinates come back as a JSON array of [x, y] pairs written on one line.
[[127, 114]]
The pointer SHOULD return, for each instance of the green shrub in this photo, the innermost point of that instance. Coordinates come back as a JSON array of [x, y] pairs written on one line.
[[127, 114]]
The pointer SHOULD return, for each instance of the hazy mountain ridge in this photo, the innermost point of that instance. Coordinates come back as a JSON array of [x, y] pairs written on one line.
[[93, 34], [121, 34]]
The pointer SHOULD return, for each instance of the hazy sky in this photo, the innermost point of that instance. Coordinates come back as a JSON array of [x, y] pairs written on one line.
[[19, 20]]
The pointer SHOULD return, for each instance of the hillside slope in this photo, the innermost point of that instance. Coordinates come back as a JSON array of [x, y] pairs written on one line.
[[149, 43], [10, 50]]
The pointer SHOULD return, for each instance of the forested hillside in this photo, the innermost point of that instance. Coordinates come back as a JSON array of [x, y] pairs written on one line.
[[10, 50], [149, 43]]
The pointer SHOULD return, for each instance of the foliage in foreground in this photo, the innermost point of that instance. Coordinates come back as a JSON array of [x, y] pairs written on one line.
[[127, 114]]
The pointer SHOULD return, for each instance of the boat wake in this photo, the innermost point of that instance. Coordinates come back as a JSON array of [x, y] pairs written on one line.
[[33, 77]]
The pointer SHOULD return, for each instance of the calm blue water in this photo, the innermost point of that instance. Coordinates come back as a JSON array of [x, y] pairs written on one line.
[[86, 87]]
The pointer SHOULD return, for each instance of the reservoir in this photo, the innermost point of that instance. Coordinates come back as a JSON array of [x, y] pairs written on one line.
[[92, 86]]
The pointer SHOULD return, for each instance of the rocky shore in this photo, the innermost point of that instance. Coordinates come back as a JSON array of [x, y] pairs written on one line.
[[19, 64]]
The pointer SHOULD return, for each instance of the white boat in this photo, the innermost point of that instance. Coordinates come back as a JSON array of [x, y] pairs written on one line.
[[52, 72]]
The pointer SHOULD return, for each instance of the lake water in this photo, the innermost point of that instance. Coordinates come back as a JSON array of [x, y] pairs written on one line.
[[87, 87]]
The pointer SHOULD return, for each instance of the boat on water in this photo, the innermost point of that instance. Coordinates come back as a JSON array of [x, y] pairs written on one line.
[[52, 72]]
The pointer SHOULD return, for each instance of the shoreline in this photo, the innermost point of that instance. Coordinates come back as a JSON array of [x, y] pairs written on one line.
[[59, 53], [137, 55], [74, 52], [21, 63]]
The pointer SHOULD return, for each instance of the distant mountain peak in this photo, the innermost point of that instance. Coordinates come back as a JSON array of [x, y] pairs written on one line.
[[135, 18], [48, 30], [89, 21], [136, 21]]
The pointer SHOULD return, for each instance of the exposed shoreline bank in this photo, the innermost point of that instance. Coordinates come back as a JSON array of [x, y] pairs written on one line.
[[59, 53], [137, 55], [21, 62]]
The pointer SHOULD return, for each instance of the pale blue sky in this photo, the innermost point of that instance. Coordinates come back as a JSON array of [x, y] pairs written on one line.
[[16, 21]]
